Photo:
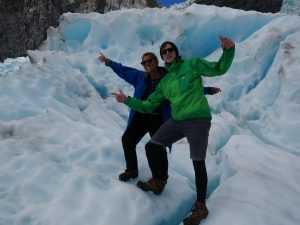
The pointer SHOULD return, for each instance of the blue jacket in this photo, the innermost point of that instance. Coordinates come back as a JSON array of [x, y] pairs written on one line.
[[138, 79]]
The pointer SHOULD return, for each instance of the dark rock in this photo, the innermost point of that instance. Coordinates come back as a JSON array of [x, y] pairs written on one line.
[[23, 23], [256, 5]]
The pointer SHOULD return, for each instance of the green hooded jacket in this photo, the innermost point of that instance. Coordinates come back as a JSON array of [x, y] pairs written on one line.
[[183, 87]]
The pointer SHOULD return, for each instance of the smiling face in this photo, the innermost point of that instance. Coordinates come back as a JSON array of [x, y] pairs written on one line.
[[168, 53], [149, 63]]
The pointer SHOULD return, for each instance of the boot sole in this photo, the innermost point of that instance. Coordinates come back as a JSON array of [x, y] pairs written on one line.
[[127, 179]]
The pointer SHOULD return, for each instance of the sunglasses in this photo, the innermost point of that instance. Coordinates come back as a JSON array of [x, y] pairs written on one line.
[[147, 61], [167, 50]]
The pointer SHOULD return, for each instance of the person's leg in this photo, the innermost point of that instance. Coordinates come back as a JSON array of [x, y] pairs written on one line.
[[157, 156], [199, 209], [165, 136], [200, 179], [157, 160], [131, 137], [197, 131]]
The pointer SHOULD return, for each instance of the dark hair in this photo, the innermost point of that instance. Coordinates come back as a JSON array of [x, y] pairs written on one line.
[[152, 55], [163, 45]]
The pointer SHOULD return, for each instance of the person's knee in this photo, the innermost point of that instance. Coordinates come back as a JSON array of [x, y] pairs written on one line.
[[152, 147], [128, 141], [199, 163], [124, 138]]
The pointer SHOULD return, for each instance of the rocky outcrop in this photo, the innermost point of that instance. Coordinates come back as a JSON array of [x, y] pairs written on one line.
[[118, 4], [23, 23], [291, 7], [257, 5]]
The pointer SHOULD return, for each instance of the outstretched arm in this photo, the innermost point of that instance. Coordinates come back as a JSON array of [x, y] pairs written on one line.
[[130, 75], [209, 69], [145, 106]]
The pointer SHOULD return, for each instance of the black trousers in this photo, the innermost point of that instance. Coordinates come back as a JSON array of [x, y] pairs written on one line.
[[200, 179], [140, 125]]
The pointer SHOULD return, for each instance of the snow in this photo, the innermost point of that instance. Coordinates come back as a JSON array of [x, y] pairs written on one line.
[[60, 129]]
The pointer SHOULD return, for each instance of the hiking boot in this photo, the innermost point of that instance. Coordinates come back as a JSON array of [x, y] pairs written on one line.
[[128, 174], [199, 212], [154, 185]]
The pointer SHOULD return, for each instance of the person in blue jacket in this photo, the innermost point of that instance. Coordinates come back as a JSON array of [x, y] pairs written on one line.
[[139, 124]]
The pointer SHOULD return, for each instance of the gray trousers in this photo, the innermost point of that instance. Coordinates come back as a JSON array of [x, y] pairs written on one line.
[[195, 130]]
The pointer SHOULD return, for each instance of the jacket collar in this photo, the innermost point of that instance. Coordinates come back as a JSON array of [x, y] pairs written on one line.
[[173, 65]]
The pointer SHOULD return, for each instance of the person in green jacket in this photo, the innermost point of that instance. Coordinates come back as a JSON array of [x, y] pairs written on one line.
[[190, 114]]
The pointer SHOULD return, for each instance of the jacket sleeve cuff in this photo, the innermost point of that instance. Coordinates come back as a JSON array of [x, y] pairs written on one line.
[[108, 62], [127, 100], [210, 90]]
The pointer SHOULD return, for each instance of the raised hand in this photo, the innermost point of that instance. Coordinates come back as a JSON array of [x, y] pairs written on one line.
[[226, 42], [102, 58], [120, 97], [216, 90]]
